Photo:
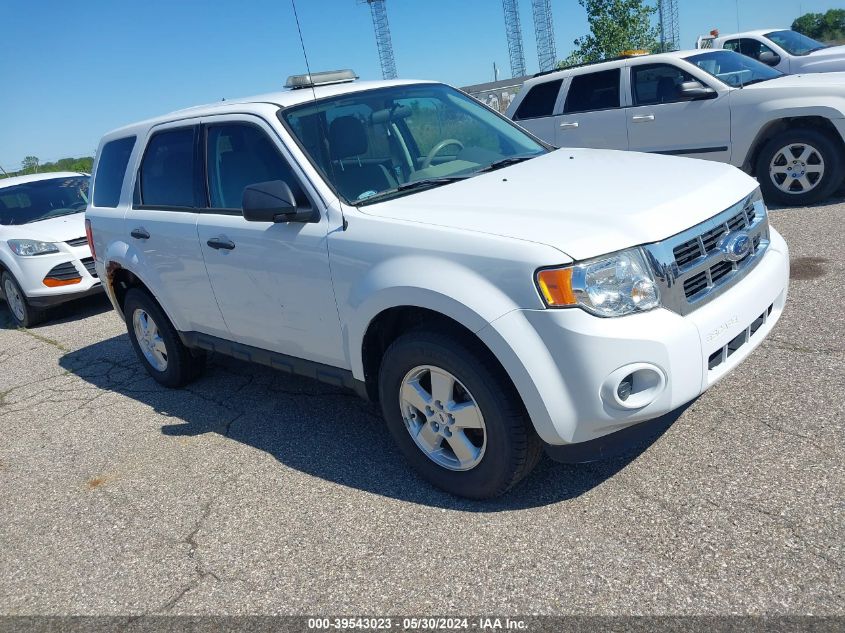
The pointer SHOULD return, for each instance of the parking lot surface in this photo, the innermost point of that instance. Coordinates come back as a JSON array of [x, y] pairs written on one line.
[[256, 492]]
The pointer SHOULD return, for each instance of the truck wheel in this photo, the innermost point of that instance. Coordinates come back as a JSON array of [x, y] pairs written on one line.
[[799, 167], [455, 417], [156, 342], [23, 313]]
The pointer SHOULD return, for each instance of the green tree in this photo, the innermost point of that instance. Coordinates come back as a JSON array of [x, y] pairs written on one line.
[[29, 165], [827, 27], [615, 26]]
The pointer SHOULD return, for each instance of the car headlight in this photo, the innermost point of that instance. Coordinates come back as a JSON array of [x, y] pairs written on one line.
[[28, 248], [609, 286]]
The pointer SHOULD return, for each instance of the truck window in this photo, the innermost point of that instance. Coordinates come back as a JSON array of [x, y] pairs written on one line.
[[111, 169], [753, 48], [167, 170], [593, 91], [239, 155], [657, 83], [540, 100]]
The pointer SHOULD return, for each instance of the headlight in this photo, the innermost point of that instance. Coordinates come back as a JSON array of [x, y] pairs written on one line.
[[609, 286], [27, 248]]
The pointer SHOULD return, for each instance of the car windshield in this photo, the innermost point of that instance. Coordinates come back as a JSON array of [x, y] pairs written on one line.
[[795, 43], [382, 143], [734, 69], [43, 199]]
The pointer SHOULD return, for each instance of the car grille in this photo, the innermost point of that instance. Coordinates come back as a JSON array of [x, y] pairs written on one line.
[[88, 262], [79, 241], [63, 272], [724, 353], [691, 269]]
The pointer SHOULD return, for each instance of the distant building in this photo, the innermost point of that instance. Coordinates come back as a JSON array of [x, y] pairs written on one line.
[[496, 94]]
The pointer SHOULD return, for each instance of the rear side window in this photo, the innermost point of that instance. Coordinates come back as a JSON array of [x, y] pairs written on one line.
[[594, 91], [110, 171], [167, 171], [540, 100]]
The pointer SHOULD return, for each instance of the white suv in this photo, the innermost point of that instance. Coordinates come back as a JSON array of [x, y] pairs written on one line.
[[403, 240], [718, 105], [44, 255]]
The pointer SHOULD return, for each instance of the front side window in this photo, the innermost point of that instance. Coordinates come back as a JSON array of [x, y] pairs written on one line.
[[540, 100], [167, 170], [753, 48], [388, 142], [795, 43], [731, 45], [658, 83], [593, 91], [43, 199], [111, 169], [239, 155], [733, 69]]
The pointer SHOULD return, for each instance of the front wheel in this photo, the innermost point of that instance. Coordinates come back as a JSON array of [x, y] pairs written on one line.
[[157, 343], [23, 313], [799, 167], [455, 416]]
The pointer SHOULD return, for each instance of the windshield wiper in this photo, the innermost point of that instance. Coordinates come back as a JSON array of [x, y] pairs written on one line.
[[423, 183], [504, 162]]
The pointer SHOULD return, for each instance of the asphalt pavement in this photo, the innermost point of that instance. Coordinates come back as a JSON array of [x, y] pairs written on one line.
[[254, 492]]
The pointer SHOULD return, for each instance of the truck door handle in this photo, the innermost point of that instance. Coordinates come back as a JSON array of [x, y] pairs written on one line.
[[217, 243], [569, 125], [642, 118], [140, 233]]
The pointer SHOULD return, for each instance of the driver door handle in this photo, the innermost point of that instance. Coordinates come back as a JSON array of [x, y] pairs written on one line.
[[569, 125], [140, 233], [642, 118], [218, 242]]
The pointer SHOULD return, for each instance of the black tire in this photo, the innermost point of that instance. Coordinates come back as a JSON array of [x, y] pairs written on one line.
[[183, 364], [512, 448], [827, 147], [32, 316]]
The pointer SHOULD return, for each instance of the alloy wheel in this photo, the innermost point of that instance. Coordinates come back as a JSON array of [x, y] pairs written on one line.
[[149, 340], [797, 168], [15, 300]]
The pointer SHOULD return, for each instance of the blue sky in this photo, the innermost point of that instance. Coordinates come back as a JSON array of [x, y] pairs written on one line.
[[71, 71]]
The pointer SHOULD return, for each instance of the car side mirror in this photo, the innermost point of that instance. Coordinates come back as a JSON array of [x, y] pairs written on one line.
[[769, 58], [273, 201], [695, 90]]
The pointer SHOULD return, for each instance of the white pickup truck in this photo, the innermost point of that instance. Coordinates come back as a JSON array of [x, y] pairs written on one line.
[[403, 240], [790, 52]]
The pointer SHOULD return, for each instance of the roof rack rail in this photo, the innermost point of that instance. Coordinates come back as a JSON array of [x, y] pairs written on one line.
[[625, 55]]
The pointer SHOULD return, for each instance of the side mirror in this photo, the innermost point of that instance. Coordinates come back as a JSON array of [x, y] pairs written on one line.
[[769, 58], [695, 90], [273, 201]]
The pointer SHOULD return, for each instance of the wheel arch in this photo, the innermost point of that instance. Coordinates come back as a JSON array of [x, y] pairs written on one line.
[[776, 126]]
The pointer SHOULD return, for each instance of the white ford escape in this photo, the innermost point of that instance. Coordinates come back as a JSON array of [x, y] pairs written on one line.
[[403, 240]]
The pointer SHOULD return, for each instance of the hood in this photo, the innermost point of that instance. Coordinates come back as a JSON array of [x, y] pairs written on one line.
[[584, 202], [818, 81], [61, 229], [830, 59]]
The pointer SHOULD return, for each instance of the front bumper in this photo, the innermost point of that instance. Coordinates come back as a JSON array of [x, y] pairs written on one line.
[[31, 271], [572, 362]]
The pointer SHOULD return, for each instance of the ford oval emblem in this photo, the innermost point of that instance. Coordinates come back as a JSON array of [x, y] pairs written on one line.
[[736, 245]]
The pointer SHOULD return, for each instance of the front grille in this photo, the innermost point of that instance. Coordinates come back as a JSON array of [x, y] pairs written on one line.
[[691, 269], [88, 262], [63, 272], [724, 353], [79, 241]]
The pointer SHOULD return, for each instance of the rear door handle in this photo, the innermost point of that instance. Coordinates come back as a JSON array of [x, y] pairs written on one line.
[[642, 118], [569, 125], [140, 233], [217, 243]]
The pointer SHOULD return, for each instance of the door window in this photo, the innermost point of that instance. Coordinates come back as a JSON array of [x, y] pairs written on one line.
[[752, 48], [657, 83], [167, 171], [540, 100], [593, 91], [239, 155]]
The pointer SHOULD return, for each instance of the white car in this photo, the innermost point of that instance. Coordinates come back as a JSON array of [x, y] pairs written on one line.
[[44, 255], [718, 105], [790, 52], [404, 240]]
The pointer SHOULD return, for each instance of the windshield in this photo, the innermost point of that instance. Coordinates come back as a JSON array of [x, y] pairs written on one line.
[[795, 43], [734, 69], [383, 143], [43, 199]]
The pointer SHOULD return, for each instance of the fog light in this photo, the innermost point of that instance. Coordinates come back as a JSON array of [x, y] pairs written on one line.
[[633, 386], [624, 388]]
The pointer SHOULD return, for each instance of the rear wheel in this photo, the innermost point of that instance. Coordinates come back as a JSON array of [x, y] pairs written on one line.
[[23, 313], [799, 167], [157, 343], [455, 416]]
